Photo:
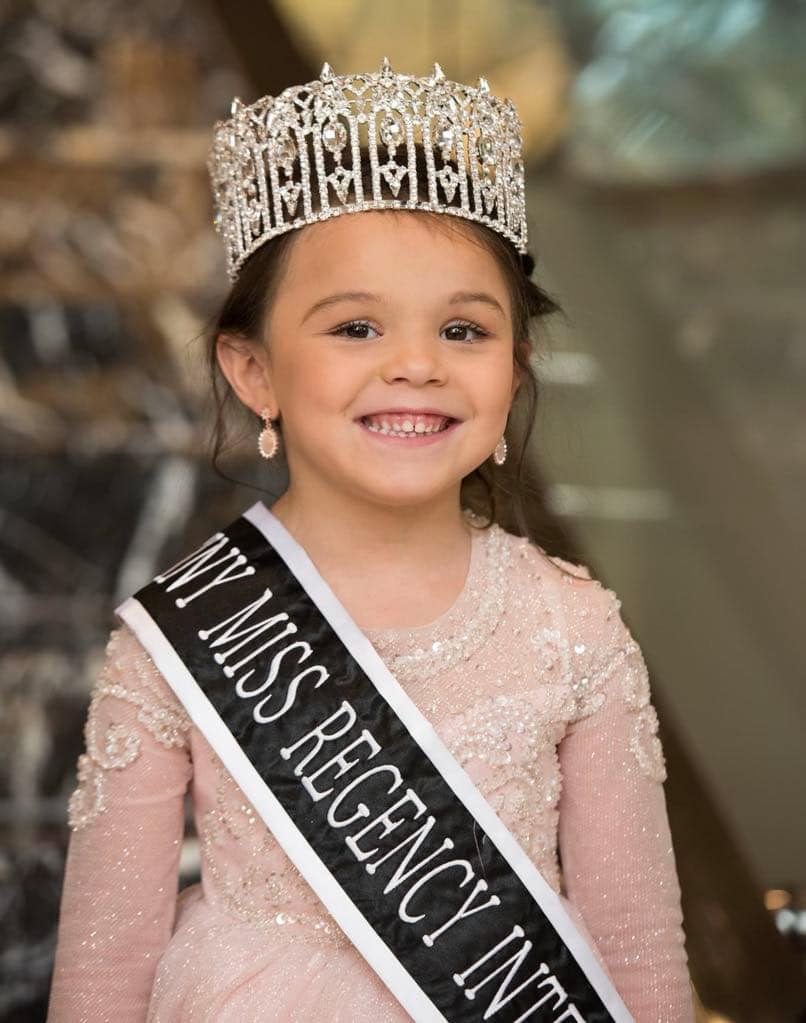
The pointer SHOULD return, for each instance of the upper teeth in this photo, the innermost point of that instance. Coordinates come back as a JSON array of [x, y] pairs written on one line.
[[405, 424]]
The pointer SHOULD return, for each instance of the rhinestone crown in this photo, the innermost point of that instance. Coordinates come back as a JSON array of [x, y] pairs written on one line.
[[309, 142]]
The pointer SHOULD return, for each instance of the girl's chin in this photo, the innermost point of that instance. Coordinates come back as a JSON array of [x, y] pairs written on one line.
[[410, 487]]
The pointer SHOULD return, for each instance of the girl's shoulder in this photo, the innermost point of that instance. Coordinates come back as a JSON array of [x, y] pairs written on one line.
[[580, 626], [551, 565], [524, 548], [129, 674], [588, 605], [569, 570]]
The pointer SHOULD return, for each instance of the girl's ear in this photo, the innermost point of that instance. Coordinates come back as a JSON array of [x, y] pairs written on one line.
[[245, 364]]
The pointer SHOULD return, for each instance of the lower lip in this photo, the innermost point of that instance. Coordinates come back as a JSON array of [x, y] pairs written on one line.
[[419, 440]]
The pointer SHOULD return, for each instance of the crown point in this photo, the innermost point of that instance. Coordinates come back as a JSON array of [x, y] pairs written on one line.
[[484, 85], [385, 65], [326, 72], [437, 73], [236, 106]]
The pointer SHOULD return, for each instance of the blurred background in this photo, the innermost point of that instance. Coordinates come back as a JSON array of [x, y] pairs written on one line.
[[666, 147]]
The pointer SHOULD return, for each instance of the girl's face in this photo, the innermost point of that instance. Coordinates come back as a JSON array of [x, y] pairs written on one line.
[[378, 313]]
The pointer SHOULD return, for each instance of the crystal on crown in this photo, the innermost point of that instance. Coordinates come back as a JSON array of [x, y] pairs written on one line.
[[279, 163]]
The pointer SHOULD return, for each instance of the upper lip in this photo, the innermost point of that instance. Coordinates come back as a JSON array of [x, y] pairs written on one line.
[[408, 412]]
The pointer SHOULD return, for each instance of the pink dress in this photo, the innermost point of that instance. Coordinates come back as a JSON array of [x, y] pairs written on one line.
[[535, 684]]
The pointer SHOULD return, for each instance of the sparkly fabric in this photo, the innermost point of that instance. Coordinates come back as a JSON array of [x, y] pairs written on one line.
[[535, 684]]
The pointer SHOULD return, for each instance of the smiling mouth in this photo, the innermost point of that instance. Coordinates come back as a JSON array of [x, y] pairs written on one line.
[[406, 437], [408, 428]]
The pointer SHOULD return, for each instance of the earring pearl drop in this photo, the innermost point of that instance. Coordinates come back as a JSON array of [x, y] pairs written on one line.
[[500, 453], [268, 442]]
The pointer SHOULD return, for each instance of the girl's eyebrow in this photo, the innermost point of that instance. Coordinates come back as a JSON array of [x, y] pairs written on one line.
[[340, 296], [368, 296]]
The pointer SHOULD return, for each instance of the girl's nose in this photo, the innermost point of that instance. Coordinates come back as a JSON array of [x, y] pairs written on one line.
[[418, 359]]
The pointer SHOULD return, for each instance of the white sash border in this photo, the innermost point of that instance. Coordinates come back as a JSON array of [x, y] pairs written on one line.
[[295, 845]]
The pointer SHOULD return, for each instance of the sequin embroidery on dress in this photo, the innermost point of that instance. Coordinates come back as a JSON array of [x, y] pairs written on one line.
[[119, 745], [260, 884], [645, 744], [614, 652], [507, 744]]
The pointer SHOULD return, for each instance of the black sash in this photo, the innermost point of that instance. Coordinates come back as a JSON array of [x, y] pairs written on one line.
[[358, 789]]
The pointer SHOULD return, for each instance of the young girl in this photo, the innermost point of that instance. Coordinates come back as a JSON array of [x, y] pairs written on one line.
[[384, 350]]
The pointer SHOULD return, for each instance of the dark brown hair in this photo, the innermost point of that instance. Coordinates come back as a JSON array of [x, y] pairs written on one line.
[[501, 494]]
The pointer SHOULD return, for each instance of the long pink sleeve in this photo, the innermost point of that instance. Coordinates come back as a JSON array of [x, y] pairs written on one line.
[[126, 816], [618, 861]]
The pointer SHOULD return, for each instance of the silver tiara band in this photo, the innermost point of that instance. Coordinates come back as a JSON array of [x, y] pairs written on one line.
[[299, 158]]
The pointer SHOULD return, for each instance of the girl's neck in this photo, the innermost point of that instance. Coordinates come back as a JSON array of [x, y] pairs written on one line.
[[390, 567], [378, 532]]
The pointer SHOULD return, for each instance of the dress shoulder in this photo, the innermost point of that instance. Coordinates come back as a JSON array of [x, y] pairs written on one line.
[[553, 564], [130, 674], [597, 653], [577, 570]]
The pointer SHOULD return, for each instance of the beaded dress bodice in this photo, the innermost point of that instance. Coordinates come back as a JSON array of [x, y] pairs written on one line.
[[536, 686]]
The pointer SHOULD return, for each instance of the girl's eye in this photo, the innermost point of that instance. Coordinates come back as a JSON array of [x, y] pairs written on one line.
[[362, 326], [354, 325], [465, 325]]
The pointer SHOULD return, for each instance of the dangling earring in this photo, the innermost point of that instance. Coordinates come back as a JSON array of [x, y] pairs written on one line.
[[500, 453], [268, 442]]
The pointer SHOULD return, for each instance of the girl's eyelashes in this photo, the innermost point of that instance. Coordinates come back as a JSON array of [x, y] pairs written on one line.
[[352, 324], [463, 325], [467, 325]]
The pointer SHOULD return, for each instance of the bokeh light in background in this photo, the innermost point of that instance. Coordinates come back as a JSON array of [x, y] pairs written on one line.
[[666, 145]]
